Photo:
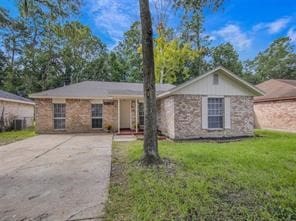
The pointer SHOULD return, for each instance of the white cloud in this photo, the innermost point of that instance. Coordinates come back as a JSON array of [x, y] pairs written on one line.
[[292, 34], [113, 16], [233, 34], [273, 27]]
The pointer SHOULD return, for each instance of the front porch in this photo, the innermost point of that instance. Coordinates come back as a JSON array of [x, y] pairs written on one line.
[[130, 116], [130, 132]]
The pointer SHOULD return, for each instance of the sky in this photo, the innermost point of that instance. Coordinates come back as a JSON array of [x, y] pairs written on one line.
[[250, 25]]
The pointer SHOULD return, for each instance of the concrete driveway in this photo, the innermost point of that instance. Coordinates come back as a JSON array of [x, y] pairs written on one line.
[[55, 177]]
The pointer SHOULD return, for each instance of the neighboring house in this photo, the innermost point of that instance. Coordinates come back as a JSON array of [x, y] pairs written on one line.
[[216, 104], [14, 107], [277, 108]]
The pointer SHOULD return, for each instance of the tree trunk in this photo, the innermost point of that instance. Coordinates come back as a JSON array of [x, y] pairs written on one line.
[[151, 155]]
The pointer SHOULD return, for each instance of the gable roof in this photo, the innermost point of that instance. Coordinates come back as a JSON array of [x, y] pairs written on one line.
[[6, 96], [277, 89], [95, 89], [255, 91]]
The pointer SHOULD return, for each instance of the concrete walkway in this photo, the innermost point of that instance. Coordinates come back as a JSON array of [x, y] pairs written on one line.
[[124, 138], [55, 177]]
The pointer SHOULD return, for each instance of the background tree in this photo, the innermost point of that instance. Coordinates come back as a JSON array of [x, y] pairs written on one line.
[[3, 63], [277, 61], [80, 48], [118, 67], [128, 54], [226, 56], [249, 72], [172, 60], [43, 48], [193, 30], [4, 18], [151, 155]]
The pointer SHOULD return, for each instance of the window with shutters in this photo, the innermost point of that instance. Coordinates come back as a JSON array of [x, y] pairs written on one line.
[[59, 116], [215, 113], [97, 115]]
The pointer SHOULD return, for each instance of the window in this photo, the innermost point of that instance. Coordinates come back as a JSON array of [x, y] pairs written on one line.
[[215, 79], [59, 116], [215, 113], [97, 115], [141, 114]]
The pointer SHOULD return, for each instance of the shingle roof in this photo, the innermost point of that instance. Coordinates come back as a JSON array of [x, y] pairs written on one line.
[[88, 89], [277, 89], [291, 82], [9, 96]]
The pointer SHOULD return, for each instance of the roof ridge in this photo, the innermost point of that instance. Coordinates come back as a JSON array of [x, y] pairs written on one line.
[[119, 82]]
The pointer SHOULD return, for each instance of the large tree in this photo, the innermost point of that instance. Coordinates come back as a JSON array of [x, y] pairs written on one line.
[[45, 48], [226, 56], [127, 53], [193, 29], [151, 155], [172, 60], [277, 61], [80, 48]]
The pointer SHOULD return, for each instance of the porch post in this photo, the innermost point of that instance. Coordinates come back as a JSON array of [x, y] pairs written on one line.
[[118, 116], [136, 115]]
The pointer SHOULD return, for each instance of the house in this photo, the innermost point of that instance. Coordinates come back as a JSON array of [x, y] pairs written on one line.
[[13, 107], [277, 108], [216, 104]]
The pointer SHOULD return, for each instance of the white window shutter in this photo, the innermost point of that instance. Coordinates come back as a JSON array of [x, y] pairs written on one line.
[[204, 112], [227, 113]]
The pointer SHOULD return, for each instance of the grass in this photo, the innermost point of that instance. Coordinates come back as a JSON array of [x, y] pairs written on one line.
[[252, 179], [12, 136]]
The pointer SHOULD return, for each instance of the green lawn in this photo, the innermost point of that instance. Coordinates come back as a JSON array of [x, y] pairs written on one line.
[[12, 136], [252, 179]]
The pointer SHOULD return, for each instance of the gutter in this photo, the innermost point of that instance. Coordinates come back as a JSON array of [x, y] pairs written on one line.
[[17, 101], [88, 98], [274, 99]]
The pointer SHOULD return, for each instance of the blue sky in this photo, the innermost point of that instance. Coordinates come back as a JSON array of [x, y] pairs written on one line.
[[250, 25]]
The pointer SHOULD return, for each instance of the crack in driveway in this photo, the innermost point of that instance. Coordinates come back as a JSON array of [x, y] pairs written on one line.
[[43, 153], [43, 183]]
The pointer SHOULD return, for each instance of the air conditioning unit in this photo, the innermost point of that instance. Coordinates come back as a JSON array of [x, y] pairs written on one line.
[[18, 124]]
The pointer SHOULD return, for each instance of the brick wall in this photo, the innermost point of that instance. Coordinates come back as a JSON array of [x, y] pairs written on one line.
[[165, 116], [109, 114], [14, 110], [78, 116], [276, 115], [181, 115], [44, 115]]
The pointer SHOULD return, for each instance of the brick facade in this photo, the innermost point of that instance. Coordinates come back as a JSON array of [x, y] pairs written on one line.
[[276, 115], [166, 116], [78, 116], [180, 117], [44, 115]]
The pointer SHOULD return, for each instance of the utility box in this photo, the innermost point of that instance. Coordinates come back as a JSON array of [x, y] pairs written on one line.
[[18, 124]]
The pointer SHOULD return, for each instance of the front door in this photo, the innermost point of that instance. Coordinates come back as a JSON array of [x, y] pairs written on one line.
[[125, 106]]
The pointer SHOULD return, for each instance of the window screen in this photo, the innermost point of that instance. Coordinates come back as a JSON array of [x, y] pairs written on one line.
[[141, 114], [215, 113], [59, 116], [97, 115]]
